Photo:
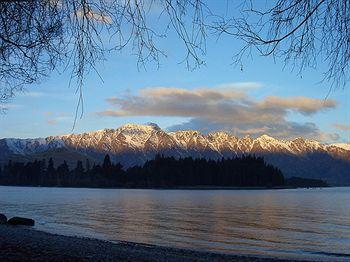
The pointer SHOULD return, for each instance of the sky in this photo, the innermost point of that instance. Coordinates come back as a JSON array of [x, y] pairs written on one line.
[[262, 97]]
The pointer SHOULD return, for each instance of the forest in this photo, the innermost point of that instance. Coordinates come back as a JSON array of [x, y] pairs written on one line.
[[161, 172]]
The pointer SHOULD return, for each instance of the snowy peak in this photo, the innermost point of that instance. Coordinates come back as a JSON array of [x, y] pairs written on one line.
[[220, 136], [133, 145], [271, 144], [151, 138], [32, 145], [345, 146], [131, 137], [267, 138], [139, 128], [128, 137]]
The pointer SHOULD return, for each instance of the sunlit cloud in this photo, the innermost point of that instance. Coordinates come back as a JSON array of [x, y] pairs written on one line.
[[51, 121], [94, 15], [55, 118], [48, 113], [304, 105], [342, 127], [230, 109]]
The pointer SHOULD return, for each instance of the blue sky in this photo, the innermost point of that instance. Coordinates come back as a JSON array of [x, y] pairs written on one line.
[[48, 108]]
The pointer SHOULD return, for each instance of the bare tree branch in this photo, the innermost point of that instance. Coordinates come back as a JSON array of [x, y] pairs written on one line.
[[38, 35], [302, 33]]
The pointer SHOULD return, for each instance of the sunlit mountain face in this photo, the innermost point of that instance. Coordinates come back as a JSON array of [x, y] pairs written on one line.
[[134, 144]]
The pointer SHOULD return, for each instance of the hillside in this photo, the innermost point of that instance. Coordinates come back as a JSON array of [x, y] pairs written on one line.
[[134, 144]]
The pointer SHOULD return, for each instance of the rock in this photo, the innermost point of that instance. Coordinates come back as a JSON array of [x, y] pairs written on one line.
[[21, 221], [3, 219]]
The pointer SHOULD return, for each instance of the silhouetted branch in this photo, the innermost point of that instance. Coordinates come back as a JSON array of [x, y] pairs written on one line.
[[36, 36], [303, 33]]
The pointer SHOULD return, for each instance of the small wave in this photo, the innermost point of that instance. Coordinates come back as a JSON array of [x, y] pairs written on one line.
[[331, 254]]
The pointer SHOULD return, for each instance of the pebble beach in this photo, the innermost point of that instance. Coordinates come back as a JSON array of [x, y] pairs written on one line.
[[20, 243]]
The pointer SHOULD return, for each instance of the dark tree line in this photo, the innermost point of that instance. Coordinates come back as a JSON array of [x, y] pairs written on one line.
[[245, 171]]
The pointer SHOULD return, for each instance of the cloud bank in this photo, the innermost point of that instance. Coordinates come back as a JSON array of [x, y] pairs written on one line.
[[229, 108]]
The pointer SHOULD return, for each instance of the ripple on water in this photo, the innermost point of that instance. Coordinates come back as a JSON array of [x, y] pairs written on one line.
[[286, 223]]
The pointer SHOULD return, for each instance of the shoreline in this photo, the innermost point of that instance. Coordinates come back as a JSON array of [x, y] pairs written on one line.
[[181, 188], [18, 243]]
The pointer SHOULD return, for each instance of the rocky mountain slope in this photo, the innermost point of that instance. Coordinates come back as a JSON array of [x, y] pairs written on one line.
[[134, 144]]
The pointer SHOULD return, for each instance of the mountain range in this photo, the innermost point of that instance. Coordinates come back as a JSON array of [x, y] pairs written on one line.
[[134, 144]]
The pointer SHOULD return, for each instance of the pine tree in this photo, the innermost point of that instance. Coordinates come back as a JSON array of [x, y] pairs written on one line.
[[51, 173], [79, 170], [87, 165], [107, 163]]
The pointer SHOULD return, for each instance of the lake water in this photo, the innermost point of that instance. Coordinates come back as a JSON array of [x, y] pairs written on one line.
[[297, 223]]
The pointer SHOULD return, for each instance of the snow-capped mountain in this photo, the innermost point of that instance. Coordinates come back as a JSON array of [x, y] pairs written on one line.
[[134, 144], [342, 145]]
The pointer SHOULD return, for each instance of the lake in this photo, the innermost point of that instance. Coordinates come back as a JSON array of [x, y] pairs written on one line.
[[290, 223]]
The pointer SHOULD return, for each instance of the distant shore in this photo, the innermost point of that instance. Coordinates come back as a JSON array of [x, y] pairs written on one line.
[[183, 187], [26, 244]]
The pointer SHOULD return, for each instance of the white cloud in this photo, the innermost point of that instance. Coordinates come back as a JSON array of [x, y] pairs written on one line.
[[9, 106], [240, 85], [33, 94]]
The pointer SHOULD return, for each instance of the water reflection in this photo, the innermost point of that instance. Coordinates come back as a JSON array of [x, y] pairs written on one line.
[[289, 223]]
